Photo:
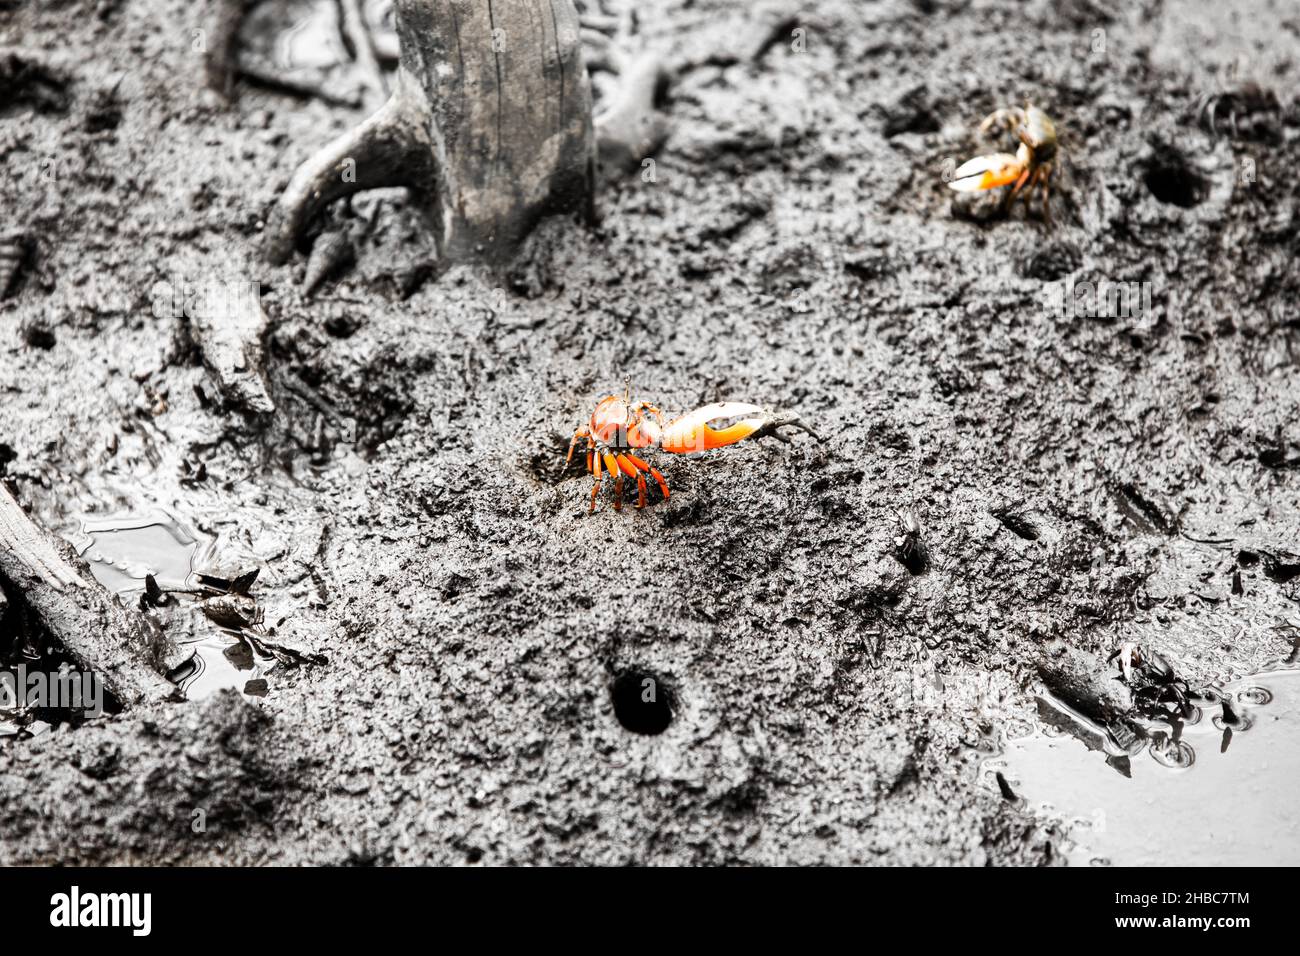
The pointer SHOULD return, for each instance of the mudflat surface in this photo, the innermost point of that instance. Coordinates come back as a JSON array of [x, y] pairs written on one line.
[[1079, 481]]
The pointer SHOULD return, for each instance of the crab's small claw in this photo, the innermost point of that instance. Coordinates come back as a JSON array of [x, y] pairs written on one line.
[[987, 172], [1003, 120], [692, 433], [770, 426]]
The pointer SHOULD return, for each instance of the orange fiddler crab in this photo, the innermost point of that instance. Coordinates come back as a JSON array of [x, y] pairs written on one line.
[[1030, 166], [618, 429]]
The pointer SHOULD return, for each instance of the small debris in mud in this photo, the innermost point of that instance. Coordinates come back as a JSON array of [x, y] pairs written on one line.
[[156, 557], [1157, 689], [912, 112], [104, 112], [1247, 111], [232, 611], [1052, 261], [1140, 508], [1019, 519], [910, 548], [228, 324], [194, 474], [17, 252], [1281, 566], [332, 253], [1280, 456], [153, 596], [241, 583], [1007, 793], [38, 335]]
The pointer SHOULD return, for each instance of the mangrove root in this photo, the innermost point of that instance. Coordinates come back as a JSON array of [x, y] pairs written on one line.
[[489, 124]]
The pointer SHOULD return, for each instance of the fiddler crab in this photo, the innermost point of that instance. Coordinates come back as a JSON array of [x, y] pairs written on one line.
[[1152, 679], [619, 429], [1030, 166]]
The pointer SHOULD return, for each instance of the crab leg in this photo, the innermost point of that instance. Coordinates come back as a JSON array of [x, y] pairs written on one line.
[[1020, 182], [663, 485], [1045, 177], [582, 432], [642, 465], [626, 466], [612, 467], [595, 489]]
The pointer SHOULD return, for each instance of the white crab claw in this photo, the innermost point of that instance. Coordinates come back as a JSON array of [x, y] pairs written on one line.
[[985, 172]]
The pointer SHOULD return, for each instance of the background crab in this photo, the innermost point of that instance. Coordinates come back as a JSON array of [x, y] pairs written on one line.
[[1155, 685], [1030, 166]]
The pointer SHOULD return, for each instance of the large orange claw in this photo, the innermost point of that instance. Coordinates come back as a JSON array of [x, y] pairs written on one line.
[[987, 172], [692, 433]]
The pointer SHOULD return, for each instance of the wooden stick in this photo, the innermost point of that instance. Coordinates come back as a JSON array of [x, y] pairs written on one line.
[[122, 647]]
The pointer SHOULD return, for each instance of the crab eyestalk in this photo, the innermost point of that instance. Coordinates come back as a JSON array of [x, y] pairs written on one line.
[[692, 432], [489, 124]]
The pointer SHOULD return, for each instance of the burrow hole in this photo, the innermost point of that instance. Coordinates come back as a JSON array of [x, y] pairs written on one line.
[[1174, 182], [643, 703]]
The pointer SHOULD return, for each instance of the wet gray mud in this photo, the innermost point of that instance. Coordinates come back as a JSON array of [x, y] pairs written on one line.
[[464, 666]]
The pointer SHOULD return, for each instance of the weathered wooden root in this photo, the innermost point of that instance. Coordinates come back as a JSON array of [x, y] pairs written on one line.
[[489, 124], [630, 128], [228, 324], [122, 647], [221, 21]]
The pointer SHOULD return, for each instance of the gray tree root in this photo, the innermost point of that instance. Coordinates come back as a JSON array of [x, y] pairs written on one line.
[[630, 128], [489, 123], [391, 148], [221, 28], [122, 647]]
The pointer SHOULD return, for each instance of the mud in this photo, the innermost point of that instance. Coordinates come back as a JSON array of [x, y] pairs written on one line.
[[466, 635]]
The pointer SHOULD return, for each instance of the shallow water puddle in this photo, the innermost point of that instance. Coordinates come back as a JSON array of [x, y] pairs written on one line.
[[121, 552], [221, 661], [313, 40], [1233, 804], [300, 36]]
